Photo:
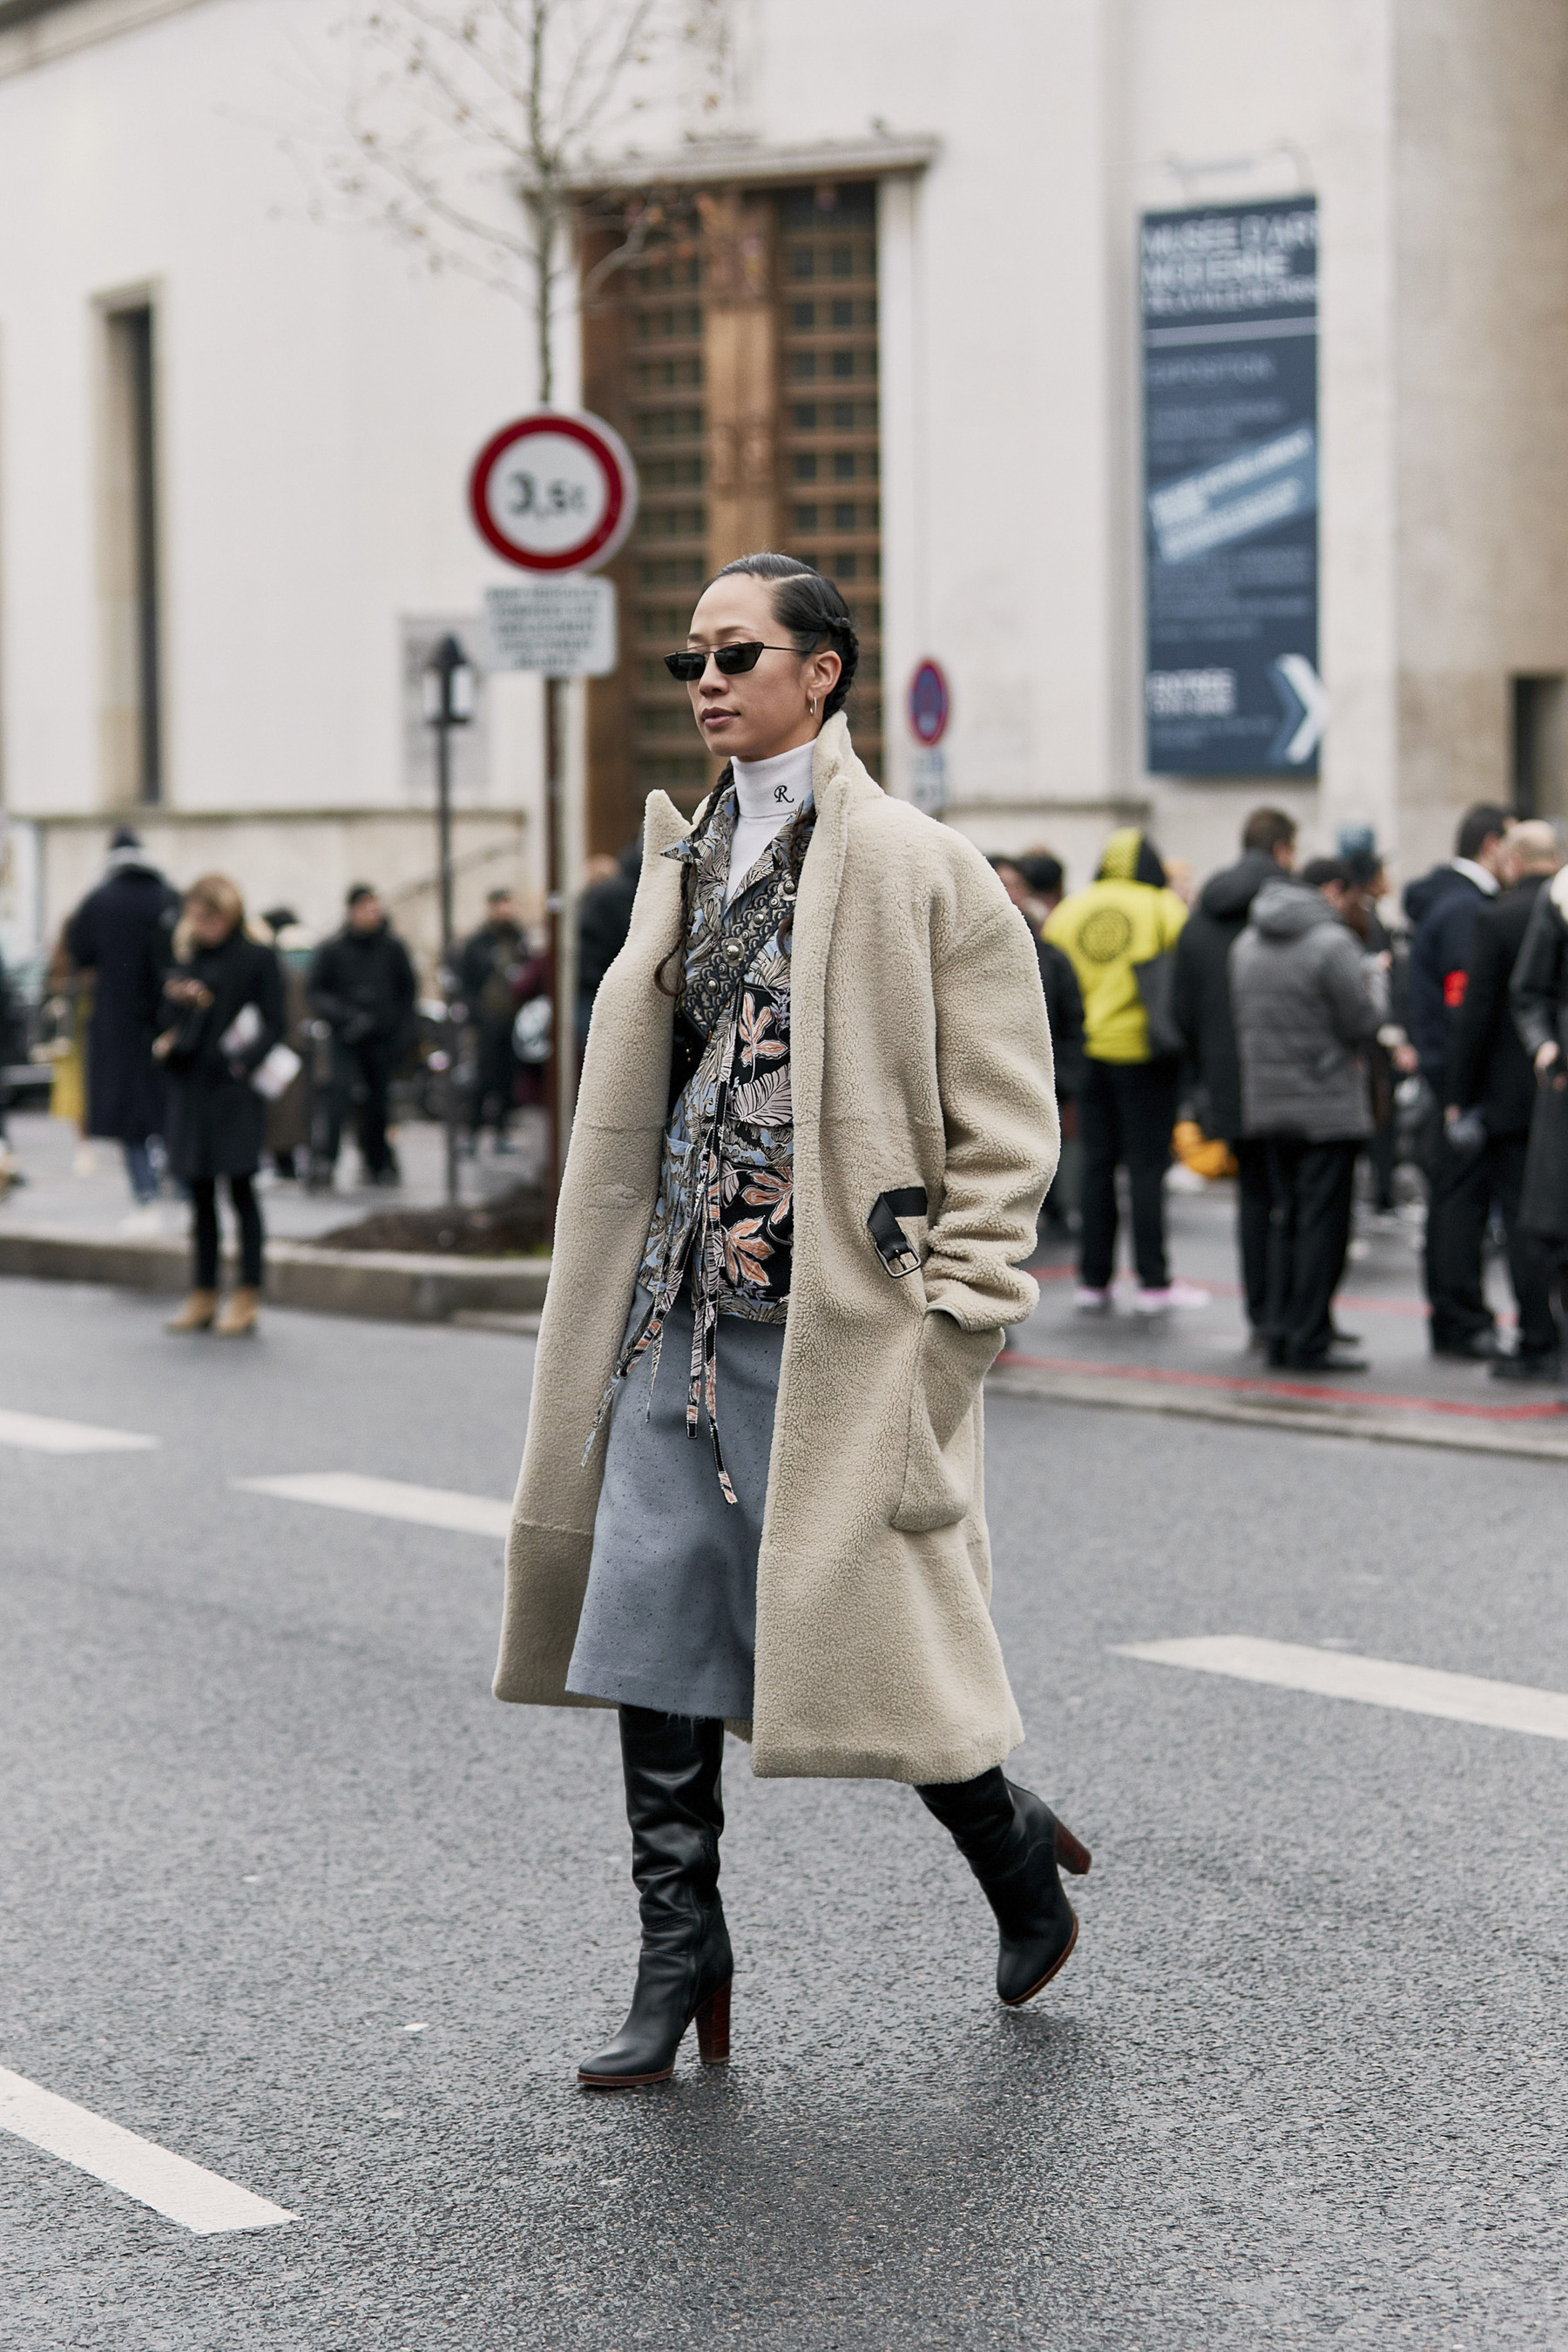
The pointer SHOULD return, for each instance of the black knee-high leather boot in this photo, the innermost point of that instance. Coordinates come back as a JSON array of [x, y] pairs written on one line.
[[1012, 1843], [672, 1764]]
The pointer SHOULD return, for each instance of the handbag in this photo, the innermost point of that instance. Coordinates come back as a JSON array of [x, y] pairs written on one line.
[[1157, 991], [276, 1071]]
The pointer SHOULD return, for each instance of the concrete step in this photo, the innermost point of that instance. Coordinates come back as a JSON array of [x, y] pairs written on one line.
[[393, 1286]]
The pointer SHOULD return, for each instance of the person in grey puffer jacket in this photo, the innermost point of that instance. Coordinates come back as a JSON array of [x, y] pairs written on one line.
[[1306, 1003]]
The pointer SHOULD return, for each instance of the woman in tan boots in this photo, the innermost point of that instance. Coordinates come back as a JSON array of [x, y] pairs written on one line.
[[815, 1124], [223, 1013]]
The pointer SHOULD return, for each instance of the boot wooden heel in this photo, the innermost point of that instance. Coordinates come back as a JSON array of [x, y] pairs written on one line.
[[712, 2022], [1071, 1852]]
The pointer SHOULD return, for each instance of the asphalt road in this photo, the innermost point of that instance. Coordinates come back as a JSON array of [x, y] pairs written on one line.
[[1302, 2083]]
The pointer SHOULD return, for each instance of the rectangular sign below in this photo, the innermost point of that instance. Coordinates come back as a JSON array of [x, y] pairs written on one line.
[[928, 780], [1230, 470], [564, 627]]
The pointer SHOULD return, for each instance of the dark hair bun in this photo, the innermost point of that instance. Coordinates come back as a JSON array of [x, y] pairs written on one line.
[[810, 607]]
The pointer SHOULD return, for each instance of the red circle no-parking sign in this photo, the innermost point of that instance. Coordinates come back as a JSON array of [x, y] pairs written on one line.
[[555, 493]]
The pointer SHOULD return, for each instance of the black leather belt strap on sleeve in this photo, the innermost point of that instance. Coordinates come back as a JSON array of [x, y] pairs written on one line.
[[882, 1225]]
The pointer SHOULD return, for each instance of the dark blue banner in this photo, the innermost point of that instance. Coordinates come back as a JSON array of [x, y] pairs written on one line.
[[1230, 480]]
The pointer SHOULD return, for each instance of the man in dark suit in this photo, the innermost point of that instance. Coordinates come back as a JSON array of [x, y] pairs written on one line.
[[1490, 1095], [1442, 907], [1201, 1004]]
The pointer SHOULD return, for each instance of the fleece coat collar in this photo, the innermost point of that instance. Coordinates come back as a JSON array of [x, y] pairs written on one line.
[[922, 1088]]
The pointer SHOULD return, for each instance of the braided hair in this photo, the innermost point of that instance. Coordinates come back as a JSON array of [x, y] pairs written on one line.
[[810, 607]]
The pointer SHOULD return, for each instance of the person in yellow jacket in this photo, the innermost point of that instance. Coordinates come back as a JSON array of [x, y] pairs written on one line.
[[1127, 917]]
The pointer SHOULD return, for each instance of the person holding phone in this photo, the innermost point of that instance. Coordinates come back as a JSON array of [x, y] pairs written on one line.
[[223, 1014]]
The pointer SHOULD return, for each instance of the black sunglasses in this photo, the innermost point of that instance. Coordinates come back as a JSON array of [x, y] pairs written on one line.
[[730, 661]]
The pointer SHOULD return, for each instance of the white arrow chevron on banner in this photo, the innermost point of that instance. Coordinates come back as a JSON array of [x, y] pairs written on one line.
[[1303, 679]]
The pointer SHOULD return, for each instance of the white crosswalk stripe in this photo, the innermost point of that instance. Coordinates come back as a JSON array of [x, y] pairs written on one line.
[[389, 1498], [199, 2201], [36, 1433], [1374, 1682]]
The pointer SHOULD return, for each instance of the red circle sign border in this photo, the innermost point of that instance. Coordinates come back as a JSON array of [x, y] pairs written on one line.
[[931, 669], [619, 512]]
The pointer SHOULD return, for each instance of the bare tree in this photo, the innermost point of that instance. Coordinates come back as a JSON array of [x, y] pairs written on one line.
[[464, 128]]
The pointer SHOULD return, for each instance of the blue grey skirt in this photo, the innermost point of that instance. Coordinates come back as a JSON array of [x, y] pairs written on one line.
[[669, 1618]]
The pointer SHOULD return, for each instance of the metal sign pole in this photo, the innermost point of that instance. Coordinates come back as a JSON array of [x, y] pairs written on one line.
[[449, 978], [555, 495], [555, 910], [448, 681]]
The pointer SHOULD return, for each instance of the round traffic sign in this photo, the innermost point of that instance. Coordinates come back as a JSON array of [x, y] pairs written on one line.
[[555, 493], [928, 703]]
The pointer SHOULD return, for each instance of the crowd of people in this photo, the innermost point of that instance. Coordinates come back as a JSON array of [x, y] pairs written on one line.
[[1297, 1035], [208, 1048], [1277, 1022]]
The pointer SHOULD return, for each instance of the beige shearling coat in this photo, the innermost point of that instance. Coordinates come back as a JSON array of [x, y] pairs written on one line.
[[919, 1057]]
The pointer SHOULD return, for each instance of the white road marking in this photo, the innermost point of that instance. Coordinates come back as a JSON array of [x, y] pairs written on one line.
[[188, 2193], [41, 1435], [389, 1498], [1375, 1682]]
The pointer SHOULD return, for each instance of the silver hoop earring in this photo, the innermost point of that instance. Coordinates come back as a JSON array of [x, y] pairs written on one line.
[[814, 706]]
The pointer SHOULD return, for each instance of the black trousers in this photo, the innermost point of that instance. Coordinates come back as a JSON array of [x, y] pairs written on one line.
[[1254, 1207], [1311, 1189], [362, 1077], [495, 1075], [204, 1230], [1461, 1196], [1125, 1111]]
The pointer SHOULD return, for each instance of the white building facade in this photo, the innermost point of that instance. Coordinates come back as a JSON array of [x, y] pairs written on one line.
[[234, 441]]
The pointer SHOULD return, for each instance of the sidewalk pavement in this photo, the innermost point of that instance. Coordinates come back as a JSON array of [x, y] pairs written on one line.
[[96, 1198], [1196, 1361], [74, 1219]]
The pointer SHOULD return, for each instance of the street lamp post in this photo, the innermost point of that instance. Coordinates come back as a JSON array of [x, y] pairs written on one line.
[[449, 703]]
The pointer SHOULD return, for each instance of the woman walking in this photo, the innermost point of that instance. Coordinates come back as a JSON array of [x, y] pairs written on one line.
[[223, 1013], [815, 1124]]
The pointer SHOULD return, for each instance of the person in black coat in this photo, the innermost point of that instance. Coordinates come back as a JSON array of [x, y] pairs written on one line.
[[1064, 1007], [488, 967], [1489, 1101], [1441, 907], [121, 934], [363, 987], [603, 918], [1539, 995], [10, 1044], [223, 1013], [1201, 1007]]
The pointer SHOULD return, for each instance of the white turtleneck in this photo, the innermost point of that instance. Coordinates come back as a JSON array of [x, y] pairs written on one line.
[[768, 793]]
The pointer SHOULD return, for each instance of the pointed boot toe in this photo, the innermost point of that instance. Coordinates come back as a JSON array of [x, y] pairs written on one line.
[[1037, 1925], [665, 2003]]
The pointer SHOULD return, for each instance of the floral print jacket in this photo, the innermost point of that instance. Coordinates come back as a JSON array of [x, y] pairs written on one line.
[[722, 1222]]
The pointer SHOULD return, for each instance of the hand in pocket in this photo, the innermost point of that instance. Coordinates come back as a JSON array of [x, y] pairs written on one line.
[[939, 1466]]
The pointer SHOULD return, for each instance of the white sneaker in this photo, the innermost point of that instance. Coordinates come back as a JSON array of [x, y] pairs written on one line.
[[1176, 1294], [1089, 1301], [147, 1218]]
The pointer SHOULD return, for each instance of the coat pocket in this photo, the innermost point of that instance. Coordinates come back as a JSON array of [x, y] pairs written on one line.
[[939, 1458]]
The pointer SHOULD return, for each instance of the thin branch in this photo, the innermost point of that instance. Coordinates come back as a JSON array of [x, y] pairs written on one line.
[[504, 91]]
